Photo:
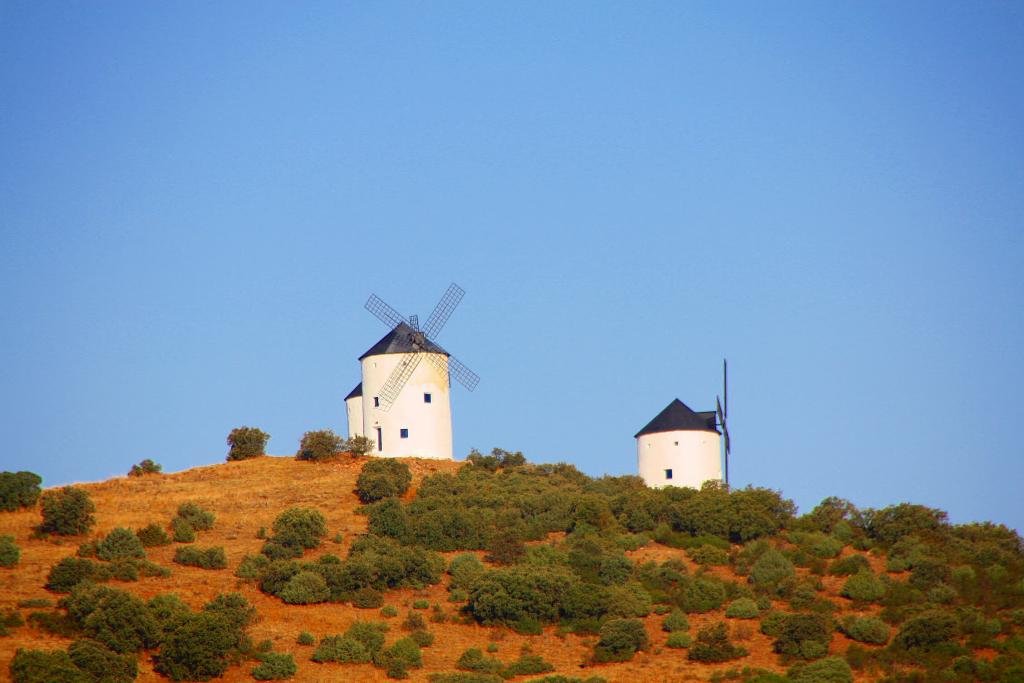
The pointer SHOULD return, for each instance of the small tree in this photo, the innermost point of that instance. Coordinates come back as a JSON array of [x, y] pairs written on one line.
[[9, 552], [359, 445], [67, 512], [319, 446], [147, 466], [382, 479], [18, 490], [246, 442], [620, 639], [713, 645], [120, 543]]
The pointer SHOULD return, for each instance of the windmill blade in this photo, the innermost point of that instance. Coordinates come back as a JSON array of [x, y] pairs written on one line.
[[443, 310], [399, 376], [384, 313], [455, 368]]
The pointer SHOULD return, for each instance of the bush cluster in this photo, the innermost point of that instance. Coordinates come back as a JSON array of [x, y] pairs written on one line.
[[153, 535], [320, 445], [9, 552], [145, 467], [802, 636], [295, 531], [67, 512], [742, 608], [275, 667], [863, 586], [19, 490], [382, 478], [713, 645], [246, 442], [204, 558], [620, 639], [119, 544], [865, 629]]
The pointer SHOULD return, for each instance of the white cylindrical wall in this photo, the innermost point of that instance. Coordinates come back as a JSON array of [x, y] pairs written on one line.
[[354, 411], [693, 456], [429, 424]]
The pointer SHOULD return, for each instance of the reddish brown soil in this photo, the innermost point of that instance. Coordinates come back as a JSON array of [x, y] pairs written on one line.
[[248, 495]]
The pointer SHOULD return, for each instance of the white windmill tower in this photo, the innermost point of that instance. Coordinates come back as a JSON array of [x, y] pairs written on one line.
[[683, 447], [403, 404]]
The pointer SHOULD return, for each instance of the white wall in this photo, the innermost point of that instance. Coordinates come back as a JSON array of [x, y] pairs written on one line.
[[429, 424], [354, 412], [694, 457]]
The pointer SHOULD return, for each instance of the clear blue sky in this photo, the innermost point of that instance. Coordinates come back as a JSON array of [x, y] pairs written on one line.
[[197, 198]]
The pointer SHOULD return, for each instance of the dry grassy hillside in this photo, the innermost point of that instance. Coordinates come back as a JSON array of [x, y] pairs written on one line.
[[248, 495]]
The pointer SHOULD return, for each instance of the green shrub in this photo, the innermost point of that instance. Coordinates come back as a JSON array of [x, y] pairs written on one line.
[[368, 598], [68, 573], [153, 535], [118, 544], [771, 568], [46, 666], [474, 659], [890, 524], [204, 558], [742, 608], [713, 645], [403, 655], [630, 600], [200, 649], [252, 566], [169, 612], [620, 639], [19, 490], [246, 442], [9, 552], [526, 665], [698, 594], [675, 621], [467, 677], [320, 445], [145, 467], [101, 663], [678, 640], [506, 546], [829, 670], [413, 621], [305, 588], [518, 593], [341, 649], [926, 630], [422, 638], [275, 667], [182, 530], [804, 636], [709, 555], [863, 586], [114, 617], [301, 528], [197, 517], [369, 633], [850, 565], [825, 547], [359, 445], [465, 570], [389, 611], [120, 569], [865, 629], [381, 479], [67, 512], [305, 638]]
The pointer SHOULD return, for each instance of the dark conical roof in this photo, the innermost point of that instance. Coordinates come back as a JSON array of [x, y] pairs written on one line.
[[355, 393], [400, 340], [677, 417]]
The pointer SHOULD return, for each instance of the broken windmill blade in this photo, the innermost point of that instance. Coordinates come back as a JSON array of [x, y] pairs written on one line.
[[422, 343], [723, 417]]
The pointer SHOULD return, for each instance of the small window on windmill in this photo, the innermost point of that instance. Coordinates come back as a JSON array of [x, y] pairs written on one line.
[[376, 401], [677, 443], [426, 398], [668, 474], [404, 433]]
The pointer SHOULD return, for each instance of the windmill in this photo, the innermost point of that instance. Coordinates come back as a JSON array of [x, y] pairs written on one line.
[[723, 415], [421, 344]]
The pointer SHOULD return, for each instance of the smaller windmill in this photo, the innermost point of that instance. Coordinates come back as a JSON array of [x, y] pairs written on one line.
[[403, 403]]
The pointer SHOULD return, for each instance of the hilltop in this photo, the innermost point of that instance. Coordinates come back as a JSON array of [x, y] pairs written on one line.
[[576, 532]]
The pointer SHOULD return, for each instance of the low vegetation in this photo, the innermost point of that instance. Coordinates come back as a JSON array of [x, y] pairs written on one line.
[[246, 442]]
